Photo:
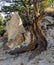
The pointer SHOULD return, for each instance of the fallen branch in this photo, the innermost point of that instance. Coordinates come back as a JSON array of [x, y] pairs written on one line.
[[49, 10]]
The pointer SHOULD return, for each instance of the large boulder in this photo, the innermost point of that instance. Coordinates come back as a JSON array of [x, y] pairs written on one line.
[[17, 35], [14, 26]]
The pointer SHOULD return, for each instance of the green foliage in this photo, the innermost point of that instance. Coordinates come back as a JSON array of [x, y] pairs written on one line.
[[1, 20], [44, 4], [2, 26], [2, 30], [25, 6], [7, 18]]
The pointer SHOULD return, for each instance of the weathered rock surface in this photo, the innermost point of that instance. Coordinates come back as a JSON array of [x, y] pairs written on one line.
[[17, 35], [50, 19], [14, 26]]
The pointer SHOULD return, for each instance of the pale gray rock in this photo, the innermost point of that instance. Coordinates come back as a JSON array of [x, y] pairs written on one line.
[[17, 35], [14, 26], [50, 19]]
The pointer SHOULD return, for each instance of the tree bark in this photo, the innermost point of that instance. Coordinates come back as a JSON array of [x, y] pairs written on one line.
[[41, 41]]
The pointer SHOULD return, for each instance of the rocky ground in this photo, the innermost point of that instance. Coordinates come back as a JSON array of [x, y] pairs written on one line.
[[34, 57]]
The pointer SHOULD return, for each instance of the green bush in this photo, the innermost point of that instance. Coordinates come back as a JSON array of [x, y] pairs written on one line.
[[2, 30]]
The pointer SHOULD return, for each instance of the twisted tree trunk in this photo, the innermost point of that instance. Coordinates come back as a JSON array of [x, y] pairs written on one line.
[[41, 41]]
